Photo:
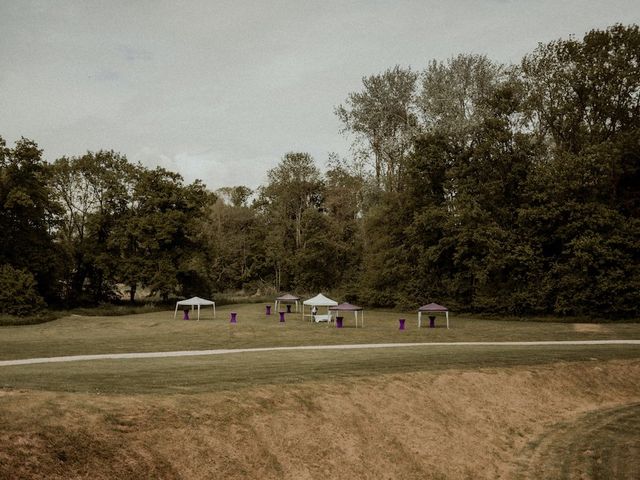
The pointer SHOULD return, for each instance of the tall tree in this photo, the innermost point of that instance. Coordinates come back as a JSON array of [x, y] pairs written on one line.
[[585, 97], [94, 192], [294, 187], [383, 119], [27, 212], [454, 93], [233, 236], [151, 240]]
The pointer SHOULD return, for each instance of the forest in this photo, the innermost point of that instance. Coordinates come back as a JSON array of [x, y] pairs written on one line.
[[509, 189]]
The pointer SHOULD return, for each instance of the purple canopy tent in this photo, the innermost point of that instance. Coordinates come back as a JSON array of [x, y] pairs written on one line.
[[287, 298], [347, 307], [432, 308]]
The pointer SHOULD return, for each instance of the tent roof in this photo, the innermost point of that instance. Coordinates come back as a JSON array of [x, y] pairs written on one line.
[[195, 301], [320, 301], [288, 297], [433, 307], [346, 307]]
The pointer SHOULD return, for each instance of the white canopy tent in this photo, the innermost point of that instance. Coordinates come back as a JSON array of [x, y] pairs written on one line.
[[319, 301], [195, 302]]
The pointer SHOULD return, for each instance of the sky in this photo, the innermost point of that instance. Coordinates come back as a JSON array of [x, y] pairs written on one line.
[[221, 90]]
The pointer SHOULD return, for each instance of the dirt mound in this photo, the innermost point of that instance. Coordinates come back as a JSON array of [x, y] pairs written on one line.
[[452, 424]]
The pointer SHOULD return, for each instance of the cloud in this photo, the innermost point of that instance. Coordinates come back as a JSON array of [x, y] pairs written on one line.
[[216, 170], [222, 90]]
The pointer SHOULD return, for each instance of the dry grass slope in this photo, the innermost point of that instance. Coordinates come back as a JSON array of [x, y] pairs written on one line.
[[469, 423], [602, 444]]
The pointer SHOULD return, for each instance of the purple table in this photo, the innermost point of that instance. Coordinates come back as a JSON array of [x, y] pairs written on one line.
[[268, 309]]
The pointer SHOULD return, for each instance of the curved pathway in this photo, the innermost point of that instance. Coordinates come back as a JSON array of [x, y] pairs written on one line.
[[190, 353]]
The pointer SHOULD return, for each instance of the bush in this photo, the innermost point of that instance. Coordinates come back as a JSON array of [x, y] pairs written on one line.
[[18, 292]]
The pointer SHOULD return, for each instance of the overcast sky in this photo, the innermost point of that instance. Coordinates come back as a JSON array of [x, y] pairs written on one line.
[[221, 90]]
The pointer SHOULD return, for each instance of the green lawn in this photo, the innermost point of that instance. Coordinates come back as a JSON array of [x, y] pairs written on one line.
[[158, 331], [232, 371]]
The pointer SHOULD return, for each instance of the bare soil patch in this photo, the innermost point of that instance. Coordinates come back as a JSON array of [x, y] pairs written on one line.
[[590, 328], [426, 425]]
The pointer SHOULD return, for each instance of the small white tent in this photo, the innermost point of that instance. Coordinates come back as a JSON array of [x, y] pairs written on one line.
[[195, 302], [319, 301]]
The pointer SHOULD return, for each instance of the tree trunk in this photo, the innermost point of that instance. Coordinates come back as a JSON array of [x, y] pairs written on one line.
[[132, 293]]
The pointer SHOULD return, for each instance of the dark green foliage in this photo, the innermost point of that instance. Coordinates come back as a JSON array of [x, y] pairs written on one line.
[[520, 195], [18, 292]]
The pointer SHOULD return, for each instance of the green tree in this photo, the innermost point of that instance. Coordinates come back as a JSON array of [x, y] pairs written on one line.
[[454, 94], [27, 212], [585, 197], [294, 187], [151, 239], [94, 192], [18, 292], [233, 236], [382, 118]]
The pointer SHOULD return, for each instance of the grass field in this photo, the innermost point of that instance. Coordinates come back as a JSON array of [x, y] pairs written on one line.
[[416, 412], [158, 331]]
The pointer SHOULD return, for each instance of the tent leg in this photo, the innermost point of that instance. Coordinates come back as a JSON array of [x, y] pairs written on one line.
[[198, 312], [176, 312], [447, 314]]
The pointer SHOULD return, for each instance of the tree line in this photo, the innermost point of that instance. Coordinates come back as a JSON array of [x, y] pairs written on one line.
[[512, 189]]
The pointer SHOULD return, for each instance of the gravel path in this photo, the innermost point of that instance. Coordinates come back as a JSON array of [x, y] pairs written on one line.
[[192, 353]]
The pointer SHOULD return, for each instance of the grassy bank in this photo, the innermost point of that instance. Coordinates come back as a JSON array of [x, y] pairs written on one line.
[[481, 423]]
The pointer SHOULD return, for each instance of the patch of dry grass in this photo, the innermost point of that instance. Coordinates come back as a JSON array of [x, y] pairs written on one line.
[[449, 424]]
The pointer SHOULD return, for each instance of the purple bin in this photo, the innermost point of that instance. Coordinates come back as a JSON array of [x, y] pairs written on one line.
[[186, 314], [338, 322], [432, 321], [288, 308], [401, 321], [268, 309], [281, 316], [233, 317]]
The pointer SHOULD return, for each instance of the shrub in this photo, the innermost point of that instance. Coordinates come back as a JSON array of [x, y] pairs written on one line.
[[18, 293]]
